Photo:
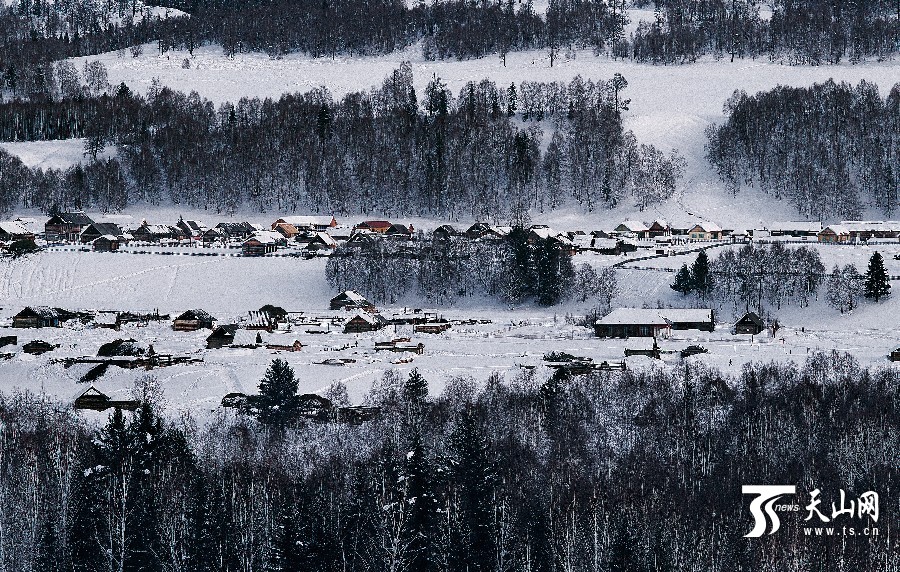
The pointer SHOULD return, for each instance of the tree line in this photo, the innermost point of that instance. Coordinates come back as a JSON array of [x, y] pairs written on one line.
[[35, 34], [758, 277], [634, 470], [513, 269], [384, 151], [832, 149]]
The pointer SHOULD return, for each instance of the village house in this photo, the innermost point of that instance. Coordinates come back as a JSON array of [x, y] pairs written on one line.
[[308, 223], [106, 243], [12, 231], [221, 336], [286, 230], [432, 327], [705, 231], [834, 233], [643, 322], [155, 232], [214, 236], [351, 300], [320, 242], [238, 230], [400, 231], [749, 324], [444, 232], [632, 228], [659, 227], [66, 226], [95, 230], [262, 243], [861, 230], [364, 322], [37, 317], [795, 229], [192, 228], [193, 320], [376, 226], [483, 230], [94, 399]]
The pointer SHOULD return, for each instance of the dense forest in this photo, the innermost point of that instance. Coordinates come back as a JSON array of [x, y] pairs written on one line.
[[34, 34], [481, 153], [616, 471], [831, 149]]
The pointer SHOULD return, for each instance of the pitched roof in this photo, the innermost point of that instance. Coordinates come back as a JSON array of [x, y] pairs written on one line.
[[79, 218], [837, 229], [707, 226], [42, 311], [752, 317], [625, 316], [201, 315], [306, 221], [104, 228], [14, 228], [633, 226]]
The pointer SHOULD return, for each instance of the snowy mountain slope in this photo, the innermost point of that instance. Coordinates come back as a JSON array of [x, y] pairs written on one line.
[[671, 106]]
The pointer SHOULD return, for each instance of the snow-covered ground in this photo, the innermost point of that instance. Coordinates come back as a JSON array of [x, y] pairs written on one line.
[[516, 337], [57, 154]]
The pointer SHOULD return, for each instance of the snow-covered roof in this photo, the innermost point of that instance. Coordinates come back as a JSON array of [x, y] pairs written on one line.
[[623, 316], [306, 221], [543, 232], [14, 228], [707, 226], [633, 226], [351, 295], [871, 225], [837, 229], [326, 238], [265, 237], [795, 226], [368, 318]]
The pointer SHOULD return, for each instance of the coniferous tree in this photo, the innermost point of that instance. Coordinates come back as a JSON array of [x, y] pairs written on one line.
[[877, 285], [420, 495], [684, 282], [276, 392], [701, 278]]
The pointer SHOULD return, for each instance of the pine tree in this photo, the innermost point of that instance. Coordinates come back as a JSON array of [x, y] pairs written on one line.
[[421, 499], [684, 283], [415, 390], [877, 285], [700, 276], [511, 100], [472, 539], [276, 391]]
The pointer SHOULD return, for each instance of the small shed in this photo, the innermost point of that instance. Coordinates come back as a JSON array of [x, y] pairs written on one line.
[[37, 317], [193, 320], [749, 324], [895, 355], [364, 322], [106, 243]]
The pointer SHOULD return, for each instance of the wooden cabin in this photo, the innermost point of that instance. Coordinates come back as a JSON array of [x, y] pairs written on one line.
[[193, 320], [66, 226], [834, 234], [94, 399], [351, 300], [221, 337], [644, 322], [749, 324], [308, 223], [377, 226], [364, 322], [705, 231], [37, 317], [105, 243], [95, 230]]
